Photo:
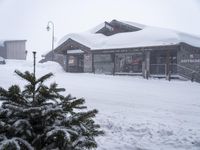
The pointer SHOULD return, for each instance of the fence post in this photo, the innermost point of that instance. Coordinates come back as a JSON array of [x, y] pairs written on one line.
[[169, 74], [146, 74], [168, 77], [193, 75]]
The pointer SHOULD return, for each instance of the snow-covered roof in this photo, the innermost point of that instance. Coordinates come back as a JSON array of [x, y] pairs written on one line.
[[138, 25], [147, 36], [2, 43], [96, 28]]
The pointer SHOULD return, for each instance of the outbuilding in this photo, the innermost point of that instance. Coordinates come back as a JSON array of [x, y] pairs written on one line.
[[13, 49]]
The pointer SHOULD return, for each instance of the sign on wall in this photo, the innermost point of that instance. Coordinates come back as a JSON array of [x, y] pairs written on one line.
[[71, 60], [190, 61]]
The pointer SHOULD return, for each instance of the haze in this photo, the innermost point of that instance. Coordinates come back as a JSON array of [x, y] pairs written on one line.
[[27, 19]]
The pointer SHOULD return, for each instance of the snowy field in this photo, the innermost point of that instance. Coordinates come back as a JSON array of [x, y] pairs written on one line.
[[136, 114]]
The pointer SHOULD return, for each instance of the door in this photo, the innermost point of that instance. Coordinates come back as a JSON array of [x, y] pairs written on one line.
[[75, 63]]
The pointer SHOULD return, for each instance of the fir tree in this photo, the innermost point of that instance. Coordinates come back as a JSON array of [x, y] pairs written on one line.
[[39, 117]]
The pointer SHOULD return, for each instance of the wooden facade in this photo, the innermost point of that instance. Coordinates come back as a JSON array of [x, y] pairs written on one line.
[[173, 60]]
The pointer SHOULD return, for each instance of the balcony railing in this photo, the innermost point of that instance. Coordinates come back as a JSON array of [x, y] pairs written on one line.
[[174, 69], [161, 69]]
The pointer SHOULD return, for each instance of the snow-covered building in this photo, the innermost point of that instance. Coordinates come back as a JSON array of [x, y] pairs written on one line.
[[120, 47], [13, 49]]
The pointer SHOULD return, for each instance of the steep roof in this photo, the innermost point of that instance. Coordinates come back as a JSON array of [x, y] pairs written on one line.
[[146, 36]]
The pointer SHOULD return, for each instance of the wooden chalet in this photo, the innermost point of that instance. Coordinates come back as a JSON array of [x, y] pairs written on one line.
[[126, 48]]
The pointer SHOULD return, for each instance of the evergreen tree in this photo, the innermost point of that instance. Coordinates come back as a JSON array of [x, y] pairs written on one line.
[[39, 117]]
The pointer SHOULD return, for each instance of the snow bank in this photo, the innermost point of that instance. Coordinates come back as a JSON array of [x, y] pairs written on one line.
[[8, 76], [136, 114]]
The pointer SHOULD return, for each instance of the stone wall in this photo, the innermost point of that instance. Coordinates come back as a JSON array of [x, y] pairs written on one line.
[[189, 57], [188, 61], [88, 63]]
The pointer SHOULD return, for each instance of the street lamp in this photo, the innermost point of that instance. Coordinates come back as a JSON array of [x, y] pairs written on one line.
[[48, 29]]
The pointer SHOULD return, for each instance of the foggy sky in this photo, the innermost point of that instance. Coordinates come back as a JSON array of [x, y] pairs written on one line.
[[27, 19]]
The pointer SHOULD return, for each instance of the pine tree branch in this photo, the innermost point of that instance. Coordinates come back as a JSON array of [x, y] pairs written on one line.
[[44, 78], [3, 92], [44, 118], [27, 76]]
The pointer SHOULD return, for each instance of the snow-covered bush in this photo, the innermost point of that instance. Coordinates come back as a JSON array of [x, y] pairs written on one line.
[[39, 117]]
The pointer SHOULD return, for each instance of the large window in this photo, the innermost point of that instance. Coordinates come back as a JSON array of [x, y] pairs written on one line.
[[161, 61], [129, 63], [104, 63]]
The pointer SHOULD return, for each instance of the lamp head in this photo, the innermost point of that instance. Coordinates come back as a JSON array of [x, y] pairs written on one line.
[[48, 28]]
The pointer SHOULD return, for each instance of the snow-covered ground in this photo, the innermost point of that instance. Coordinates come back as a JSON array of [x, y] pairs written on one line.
[[136, 114]]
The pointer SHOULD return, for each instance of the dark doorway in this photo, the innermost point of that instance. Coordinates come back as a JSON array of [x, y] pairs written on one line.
[[75, 63]]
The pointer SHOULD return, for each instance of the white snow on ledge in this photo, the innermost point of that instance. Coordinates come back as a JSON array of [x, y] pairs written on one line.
[[148, 36], [74, 51]]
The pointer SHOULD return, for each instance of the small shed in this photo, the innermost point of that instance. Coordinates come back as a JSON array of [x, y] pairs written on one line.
[[13, 49]]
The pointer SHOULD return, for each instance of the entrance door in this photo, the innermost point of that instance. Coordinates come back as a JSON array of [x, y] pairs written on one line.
[[75, 63]]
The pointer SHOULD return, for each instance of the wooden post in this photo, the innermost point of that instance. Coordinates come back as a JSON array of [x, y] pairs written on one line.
[[67, 63], [143, 65], [167, 65], [147, 64], [93, 69], [146, 74], [193, 76], [114, 61]]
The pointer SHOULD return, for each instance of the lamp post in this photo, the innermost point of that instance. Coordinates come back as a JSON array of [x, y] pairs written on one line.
[[34, 59], [48, 29]]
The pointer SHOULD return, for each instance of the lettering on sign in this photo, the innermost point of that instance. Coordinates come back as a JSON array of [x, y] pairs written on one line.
[[190, 61]]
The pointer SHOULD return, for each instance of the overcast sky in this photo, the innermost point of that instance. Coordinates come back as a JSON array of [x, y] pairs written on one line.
[[27, 19]]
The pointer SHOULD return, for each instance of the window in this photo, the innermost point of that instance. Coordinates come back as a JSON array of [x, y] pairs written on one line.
[[130, 63], [72, 61]]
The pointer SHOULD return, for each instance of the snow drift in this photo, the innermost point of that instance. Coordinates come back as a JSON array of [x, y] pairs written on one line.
[[135, 113]]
